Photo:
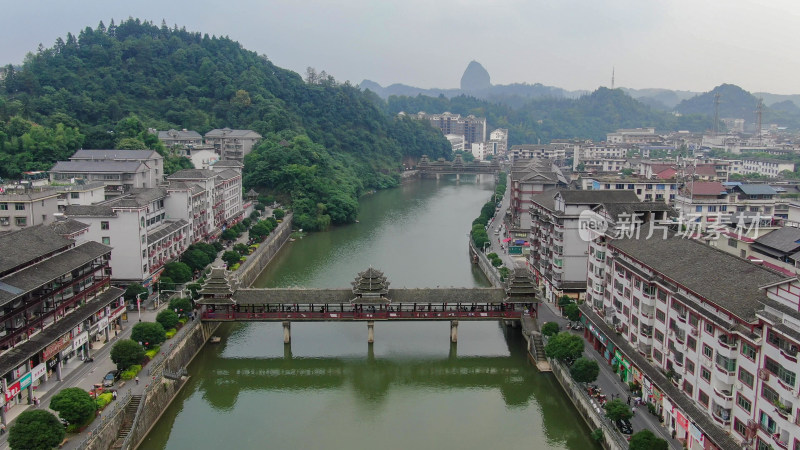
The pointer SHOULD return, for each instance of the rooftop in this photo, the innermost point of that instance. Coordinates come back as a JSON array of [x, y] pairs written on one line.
[[786, 239], [116, 155], [98, 166], [38, 241], [192, 174], [66, 227], [729, 282]]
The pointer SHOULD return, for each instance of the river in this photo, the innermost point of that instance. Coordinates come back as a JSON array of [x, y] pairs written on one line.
[[411, 389]]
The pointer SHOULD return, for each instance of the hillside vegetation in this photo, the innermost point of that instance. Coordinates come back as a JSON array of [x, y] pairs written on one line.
[[95, 90]]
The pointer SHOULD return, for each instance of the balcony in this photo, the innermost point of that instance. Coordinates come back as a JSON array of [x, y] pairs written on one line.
[[720, 414], [724, 394], [782, 439]]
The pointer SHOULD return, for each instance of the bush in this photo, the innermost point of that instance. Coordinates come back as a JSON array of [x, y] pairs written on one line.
[[167, 318], [36, 429], [597, 435], [171, 333], [150, 334], [234, 267], [131, 372], [103, 399], [132, 291], [73, 405], [153, 351], [126, 352], [550, 328]]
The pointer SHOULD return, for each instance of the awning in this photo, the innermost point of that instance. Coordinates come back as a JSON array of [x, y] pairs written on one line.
[[520, 241], [507, 240]]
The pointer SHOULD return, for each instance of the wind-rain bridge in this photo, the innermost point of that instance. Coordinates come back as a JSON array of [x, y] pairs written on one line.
[[457, 167], [369, 300]]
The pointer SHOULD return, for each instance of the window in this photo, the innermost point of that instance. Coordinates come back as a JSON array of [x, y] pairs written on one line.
[[690, 366], [723, 208], [4, 221], [74, 195], [693, 320], [662, 295], [743, 403], [705, 374], [688, 388], [659, 336], [104, 225], [106, 240], [698, 208], [702, 397], [787, 376], [3, 206], [746, 378], [19, 206], [732, 242], [709, 328], [769, 393], [691, 343], [637, 283], [767, 424], [707, 351], [657, 357], [712, 208], [661, 315], [749, 351], [740, 427], [725, 363], [21, 221]]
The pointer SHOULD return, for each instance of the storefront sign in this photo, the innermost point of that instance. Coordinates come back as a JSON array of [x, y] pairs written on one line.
[[54, 348], [597, 334], [51, 364], [80, 340], [20, 370], [25, 381], [39, 371], [12, 391], [117, 312], [696, 433], [682, 421], [102, 323]]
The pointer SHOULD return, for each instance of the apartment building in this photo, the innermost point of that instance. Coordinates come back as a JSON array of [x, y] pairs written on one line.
[[80, 193], [232, 144], [558, 253], [633, 136], [499, 137], [661, 190], [472, 128], [180, 138], [529, 177], [228, 209], [555, 153], [118, 170], [702, 331], [771, 168], [192, 196], [137, 226], [55, 299], [26, 207]]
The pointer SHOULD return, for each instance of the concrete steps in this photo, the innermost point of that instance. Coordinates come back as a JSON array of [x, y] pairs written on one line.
[[127, 421]]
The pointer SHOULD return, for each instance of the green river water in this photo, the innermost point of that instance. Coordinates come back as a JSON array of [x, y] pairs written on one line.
[[411, 389]]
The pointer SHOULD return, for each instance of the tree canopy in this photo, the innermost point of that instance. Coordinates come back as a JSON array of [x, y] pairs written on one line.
[[73, 405], [149, 334], [584, 370], [126, 353], [647, 440], [617, 409], [35, 429], [564, 347]]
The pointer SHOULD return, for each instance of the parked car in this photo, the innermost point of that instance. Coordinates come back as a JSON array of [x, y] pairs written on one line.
[[624, 426], [110, 378]]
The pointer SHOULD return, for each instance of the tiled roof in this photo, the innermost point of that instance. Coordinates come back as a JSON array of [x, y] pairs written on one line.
[[584, 197], [756, 189], [786, 239], [706, 188], [731, 283], [331, 296], [115, 155], [165, 229], [103, 166], [227, 132], [25, 351], [137, 197], [89, 211], [192, 174], [228, 163], [178, 134], [29, 244], [228, 174], [628, 209], [66, 227], [45, 271]]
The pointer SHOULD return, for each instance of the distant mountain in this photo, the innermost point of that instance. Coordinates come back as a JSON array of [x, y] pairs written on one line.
[[772, 99], [475, 78], [665, 98], [734, 102]]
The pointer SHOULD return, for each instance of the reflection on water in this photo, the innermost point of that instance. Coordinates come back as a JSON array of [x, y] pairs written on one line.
[[411, 389]]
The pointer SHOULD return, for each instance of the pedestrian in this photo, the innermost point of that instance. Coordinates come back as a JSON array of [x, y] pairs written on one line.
[[633, 410], [137, 380], [2, 429], [629, 400], [114, 395]]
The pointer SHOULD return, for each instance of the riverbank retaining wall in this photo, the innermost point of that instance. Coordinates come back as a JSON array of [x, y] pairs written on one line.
[[592, 413], [486, 266], [249, 271]]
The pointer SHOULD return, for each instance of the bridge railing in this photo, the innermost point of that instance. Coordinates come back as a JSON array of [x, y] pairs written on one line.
[[378, 315]]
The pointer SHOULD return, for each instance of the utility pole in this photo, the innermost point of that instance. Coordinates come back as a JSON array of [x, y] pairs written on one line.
[[716, 114], [612, 78], [759, 110]]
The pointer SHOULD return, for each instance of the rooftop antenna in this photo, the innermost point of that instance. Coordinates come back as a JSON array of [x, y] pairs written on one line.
[[759, 110], [716, 113]]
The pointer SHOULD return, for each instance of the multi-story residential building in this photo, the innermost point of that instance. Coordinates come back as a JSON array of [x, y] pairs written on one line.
[[500, 138], [26, 207], [633, 136], [529, 177], [607, 165], [56, 298], [180, 138], [228, 209], [137, 226], [771, 168], [555, 153], [647, 190], [80, 193], [472, 128], [558, 252], [480, 150], [716, 171], [688, 322], [456, 142], [698, 200], [118, 170], [232, 144], [191, 195]]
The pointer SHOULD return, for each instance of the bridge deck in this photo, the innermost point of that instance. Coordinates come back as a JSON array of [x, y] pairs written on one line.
[[347, 316]]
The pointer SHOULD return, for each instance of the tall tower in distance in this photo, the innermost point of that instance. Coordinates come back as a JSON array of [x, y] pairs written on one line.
[[716, 113], [612, 78], [759, 111]]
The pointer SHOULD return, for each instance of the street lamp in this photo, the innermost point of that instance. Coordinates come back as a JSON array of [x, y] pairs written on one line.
[[168, 290], [484, 246], [138, 304]]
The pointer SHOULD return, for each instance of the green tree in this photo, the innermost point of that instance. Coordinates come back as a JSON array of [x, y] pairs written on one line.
[[126, 353], [130, 144], [231, 257], [564, 347], [229, 234], [564, 300], [165, 283], [572, 312], [279, 214], [196, 259], [617, 409], [35, 429], [183, 306], [132, 291], [74, 405], [149, 334], [178, 272], [584, 370], [167, 318], [550, 328], [647, 440], [241, 249]]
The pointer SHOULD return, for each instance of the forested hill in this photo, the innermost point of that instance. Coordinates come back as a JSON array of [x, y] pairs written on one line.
[[325, 142], [588, 117]]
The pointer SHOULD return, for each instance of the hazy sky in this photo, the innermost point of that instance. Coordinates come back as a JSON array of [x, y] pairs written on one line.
[[676, 44]]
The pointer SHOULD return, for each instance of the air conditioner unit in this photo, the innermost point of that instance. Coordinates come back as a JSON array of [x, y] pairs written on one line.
[[739, 386]]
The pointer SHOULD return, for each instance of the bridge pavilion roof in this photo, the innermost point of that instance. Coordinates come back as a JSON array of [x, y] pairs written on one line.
[[371, 284], [291, 296], [218, 285], [521, 287]]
